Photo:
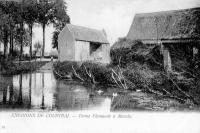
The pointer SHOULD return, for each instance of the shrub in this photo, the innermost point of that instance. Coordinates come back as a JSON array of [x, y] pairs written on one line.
[[140, 75], [127, 52], [100, 73], [65, 68], [11, 68]]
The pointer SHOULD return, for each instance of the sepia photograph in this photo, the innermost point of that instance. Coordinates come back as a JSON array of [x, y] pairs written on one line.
[[115, 62]]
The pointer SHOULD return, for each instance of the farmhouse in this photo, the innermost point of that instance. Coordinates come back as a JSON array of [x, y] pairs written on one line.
[[175, 32], [76, 43]]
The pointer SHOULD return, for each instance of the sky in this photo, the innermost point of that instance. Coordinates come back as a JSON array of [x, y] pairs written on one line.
[[114, 16]]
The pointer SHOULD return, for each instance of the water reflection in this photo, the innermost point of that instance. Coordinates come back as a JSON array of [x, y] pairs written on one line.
[[77, 97], [39, 90]]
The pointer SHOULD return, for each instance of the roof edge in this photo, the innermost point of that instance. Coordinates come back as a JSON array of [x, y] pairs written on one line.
[[166, 11]]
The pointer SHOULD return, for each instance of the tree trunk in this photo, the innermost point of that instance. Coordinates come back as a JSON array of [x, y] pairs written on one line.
[[20, 99], [21, 31], [11, 43], [31, 33], [43, 106], [30, 87], [43, 46], [12, 50], [5, 41], [5, 49], [21, 41]]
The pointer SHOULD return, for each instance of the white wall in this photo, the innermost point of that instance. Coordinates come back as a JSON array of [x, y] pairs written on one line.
[[66, 44], [82, 50]]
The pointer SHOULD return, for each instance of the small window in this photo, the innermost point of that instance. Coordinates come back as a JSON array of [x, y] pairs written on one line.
[[94, 47]]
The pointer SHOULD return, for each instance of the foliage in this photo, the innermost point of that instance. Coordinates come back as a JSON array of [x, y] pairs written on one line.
[[30, 9], [45, 14], [15, 15], [4, 29], [137, 77], [38, 47], [10, 68], [143, 67], [55, 39], [60, 20], [99, 73], [126, 51], [25, 38]]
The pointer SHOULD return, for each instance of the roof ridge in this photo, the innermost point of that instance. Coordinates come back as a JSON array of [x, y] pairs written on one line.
[[87, 34], [85, 27], [167, 11]]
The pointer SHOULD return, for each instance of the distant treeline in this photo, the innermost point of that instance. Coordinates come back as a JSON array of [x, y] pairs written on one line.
[[18, 19]]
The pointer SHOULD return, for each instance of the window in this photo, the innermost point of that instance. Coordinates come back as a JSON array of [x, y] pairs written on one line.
[[94, 47]]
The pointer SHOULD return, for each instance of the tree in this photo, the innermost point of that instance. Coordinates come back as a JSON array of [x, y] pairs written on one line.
[[55, 39], [37, 47], [21, 21], [4, 28], [60, 20], [31, 15], [26, 37], [11, 9], [6, 23], [45, 15], [16, 14]]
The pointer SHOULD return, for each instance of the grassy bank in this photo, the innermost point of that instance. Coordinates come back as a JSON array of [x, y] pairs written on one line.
[[13, 68]]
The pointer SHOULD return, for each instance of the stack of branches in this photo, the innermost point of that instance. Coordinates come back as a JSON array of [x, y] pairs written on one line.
[[119, 78], [86, 72]]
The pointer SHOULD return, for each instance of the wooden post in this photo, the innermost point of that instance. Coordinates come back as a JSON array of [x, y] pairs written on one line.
[[167, 60]]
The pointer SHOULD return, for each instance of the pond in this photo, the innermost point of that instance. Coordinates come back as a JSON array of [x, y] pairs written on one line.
[[41, 91]]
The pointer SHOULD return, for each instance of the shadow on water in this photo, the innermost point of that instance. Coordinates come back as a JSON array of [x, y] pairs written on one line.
[[41, 91]]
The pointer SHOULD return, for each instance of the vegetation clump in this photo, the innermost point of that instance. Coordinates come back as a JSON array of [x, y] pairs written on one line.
[[13, 68], [86, 71], [145, 62]]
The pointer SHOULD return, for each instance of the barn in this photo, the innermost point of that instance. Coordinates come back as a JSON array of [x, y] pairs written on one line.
[[77, 43], [177, 33]]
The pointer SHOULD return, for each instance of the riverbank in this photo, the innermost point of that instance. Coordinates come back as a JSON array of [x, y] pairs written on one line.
[[135, 78], [139, 68], [13, 68]]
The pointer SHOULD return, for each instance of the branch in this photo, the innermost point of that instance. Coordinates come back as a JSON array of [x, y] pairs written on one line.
[[59, 74], [76, 74]]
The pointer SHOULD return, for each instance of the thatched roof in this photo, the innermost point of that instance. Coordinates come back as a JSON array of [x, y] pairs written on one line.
[[125, 43], [166, 25], [86, 34]]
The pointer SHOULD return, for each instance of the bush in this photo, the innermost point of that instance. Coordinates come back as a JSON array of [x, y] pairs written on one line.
[[140, 75], [101, 73], [143, 67], [127, 52], [11, 68], [65, 68], [137, 76]]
